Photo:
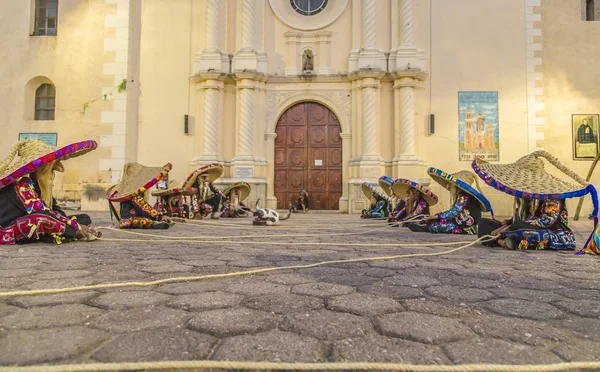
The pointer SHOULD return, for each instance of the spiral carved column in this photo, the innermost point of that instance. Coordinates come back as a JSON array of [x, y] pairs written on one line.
[[369, 128], [211, 122], [213, 25], [248, 24], [405, 22], [246, 120], [369, 24], [407, 121]]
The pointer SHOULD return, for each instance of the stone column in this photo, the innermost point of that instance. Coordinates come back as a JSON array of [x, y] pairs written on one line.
[[246, 116], [407, 121], [369, 121], [213, 25], [212, 58], [211, 123], [405, 22], [248, 25], [408, 56], [369, 35]]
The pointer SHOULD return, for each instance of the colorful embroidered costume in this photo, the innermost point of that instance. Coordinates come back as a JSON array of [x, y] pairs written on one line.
[[418, 199], [135, 212], [171, 199], [208, 198], [465, 214], [24, 216], [420, 208], [379, 202]]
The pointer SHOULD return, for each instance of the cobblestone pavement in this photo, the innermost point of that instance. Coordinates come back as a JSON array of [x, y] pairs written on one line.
[[473, 306]]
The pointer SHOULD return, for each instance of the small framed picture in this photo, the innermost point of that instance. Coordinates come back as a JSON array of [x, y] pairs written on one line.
[[585, 136]]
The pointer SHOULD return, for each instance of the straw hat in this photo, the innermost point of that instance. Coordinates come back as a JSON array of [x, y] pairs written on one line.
[[369, 190], [243, 187], [31, 154], [175, 189], [527, 179], [402, 185], [463, 180], [385, 183], [136, 179], [213, 171]]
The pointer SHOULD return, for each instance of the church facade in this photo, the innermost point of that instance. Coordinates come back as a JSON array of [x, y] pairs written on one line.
[[320, 95]]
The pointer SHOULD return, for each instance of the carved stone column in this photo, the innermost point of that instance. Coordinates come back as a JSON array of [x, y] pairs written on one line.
[[405, 22], [213, 28], [246, 116], [212, 58], [211, 130], [369, 121], [246, 58], [408, 56], [369, 57]]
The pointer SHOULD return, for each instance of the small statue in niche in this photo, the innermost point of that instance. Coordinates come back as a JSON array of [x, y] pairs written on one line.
[[307, 60]]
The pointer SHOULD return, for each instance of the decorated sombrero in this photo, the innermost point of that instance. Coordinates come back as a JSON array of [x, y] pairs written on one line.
[[213, 171], [174, 189], [385, 183], [369, 190], [527, 179], [31, 154], [402, 185], [136, 179], [243, 187], [463, 180]]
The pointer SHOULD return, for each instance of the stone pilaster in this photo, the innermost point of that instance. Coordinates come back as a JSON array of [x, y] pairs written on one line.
[[408, 56], [212, 118], [370, 58], [212, 58], [246, 59]]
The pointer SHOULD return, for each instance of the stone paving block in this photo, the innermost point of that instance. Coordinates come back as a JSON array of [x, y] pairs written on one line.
[[272, 346], [578, 351], [10, 284], [471, 282], [129, 299], [425, 328], [439, 307], [321, 289], [284, 303], [350, 279], [527, 294], [15, 273], [498, 352], [525, 331], [289, 279], [228, 322], [54, 299], [533, 283], [51, 316], [411, 281], [201, 263], [158, 269], [158, 344], [587, 328], [191, 287], [62, 274], [47, 345], [395, 292], [459, 293], [60, 283], [523, 309], [327, 325], [376, 272], [6, 309], [363, 304], [20, 263], [584, 294], [205, 301], [372, 347], [258, 289], [159, 262], [581, 307], [140, 319]]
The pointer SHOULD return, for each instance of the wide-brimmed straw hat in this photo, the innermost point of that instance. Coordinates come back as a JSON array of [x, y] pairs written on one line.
[[385, 183], [213, 171], [175, 188], [527, 179], [136, 179], [463, 180], [402, 185], [369, 190], [243, 187], [31, 154]]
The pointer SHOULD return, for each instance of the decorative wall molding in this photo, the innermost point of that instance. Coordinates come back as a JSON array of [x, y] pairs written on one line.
[[535, 90]]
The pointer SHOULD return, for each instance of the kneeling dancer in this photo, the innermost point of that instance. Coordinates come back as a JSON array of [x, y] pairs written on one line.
[[171, 201], [379, 202], [208, 198], [132, 192], [235, 195], [540, 220], [465, 214], [418, 200], [28, 211]]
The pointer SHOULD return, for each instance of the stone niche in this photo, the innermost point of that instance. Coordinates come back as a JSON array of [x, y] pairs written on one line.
[[298, 43]]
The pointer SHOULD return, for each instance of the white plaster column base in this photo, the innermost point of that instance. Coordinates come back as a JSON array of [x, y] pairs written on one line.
[[409, 54], [246, 61], [371, 59], [211, 61], [409, 166]]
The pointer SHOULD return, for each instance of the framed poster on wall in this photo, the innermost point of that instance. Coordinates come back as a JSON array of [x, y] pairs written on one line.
[[585, 136], [48, 138], [478, 126]]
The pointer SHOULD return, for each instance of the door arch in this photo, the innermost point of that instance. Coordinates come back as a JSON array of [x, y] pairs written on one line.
[[308, 155]]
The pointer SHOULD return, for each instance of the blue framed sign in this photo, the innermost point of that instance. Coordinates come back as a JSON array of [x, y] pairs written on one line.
[[48, 138]]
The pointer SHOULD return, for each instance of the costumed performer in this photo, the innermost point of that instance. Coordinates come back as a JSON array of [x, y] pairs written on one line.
[[395, 202], [132, 193], [418, 200], [208, 198], [234, 205], [379, 202], [28, 211], [465, 214], [541, 219], [171, 201]]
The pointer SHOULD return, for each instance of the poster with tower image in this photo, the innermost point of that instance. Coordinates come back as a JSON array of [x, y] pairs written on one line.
[[478, 126]]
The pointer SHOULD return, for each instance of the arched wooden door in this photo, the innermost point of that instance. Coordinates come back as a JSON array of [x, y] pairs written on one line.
[[308, 155]]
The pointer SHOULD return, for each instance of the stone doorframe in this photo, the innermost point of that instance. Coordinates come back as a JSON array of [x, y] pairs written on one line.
[[336, 101]]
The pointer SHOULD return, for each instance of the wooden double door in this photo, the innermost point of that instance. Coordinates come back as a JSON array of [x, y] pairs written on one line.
[[308, 155]]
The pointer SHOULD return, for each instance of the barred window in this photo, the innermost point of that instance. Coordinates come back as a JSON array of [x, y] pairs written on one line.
[[46, 13], [44, 102]]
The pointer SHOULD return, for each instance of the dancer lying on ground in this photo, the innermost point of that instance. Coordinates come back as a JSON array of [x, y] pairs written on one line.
[[418, 200], [379, 202], [234, 205]]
